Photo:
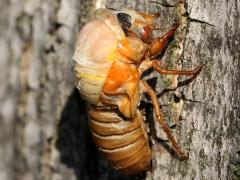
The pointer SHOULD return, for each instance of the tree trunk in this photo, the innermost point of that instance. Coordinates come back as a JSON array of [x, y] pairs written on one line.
[[43, 129]]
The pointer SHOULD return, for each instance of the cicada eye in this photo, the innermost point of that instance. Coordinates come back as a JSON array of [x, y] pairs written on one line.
[[124, 20]]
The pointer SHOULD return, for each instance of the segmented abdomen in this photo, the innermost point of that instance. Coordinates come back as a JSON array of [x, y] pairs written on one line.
[[124, 143]]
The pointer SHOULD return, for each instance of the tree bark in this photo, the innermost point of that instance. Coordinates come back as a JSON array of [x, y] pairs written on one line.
[[43, 129]]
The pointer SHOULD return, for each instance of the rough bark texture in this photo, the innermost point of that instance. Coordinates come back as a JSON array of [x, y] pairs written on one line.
[[43, 126]]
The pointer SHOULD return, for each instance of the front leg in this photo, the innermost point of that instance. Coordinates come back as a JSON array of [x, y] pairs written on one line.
[[159, 43], [145, 88]]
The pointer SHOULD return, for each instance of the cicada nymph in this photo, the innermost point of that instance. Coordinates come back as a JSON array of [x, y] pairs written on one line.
[[112, 52]]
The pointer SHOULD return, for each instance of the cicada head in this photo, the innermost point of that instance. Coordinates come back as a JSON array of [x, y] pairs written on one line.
[[130, 29], [136, 23]]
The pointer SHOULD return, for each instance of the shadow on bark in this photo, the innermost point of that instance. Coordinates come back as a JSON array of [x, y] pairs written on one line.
[[77, 150]]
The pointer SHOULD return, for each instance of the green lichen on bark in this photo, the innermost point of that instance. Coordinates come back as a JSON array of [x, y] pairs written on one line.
[[236, 168]]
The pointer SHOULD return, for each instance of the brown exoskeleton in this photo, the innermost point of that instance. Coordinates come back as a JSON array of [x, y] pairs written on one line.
[[113, 50]]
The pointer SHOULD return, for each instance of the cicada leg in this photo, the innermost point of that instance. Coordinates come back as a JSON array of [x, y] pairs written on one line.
[[147, 89], [159, 43], [156, 65], [147, 64], [155, 48]]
